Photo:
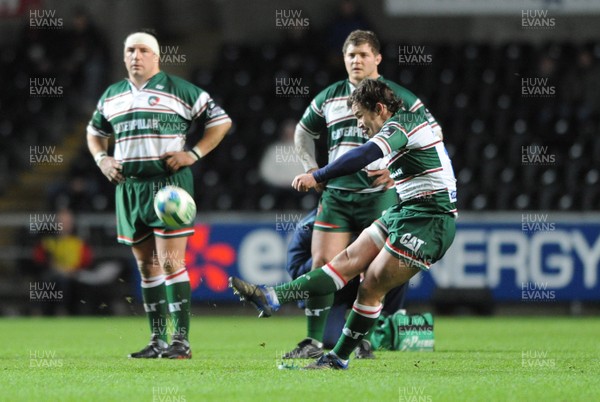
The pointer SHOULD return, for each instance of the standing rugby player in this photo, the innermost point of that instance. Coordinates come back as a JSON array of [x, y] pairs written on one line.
[[149, 115]]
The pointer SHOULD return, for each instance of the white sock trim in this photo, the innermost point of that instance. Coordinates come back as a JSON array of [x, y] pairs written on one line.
[[367, 311], [333, 274], [153, 281], [176, 277]]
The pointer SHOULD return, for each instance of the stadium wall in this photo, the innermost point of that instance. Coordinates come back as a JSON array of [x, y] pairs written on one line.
[[518, 256]]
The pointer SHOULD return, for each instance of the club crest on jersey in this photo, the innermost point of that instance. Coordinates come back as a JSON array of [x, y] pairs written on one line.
[[153, 100]]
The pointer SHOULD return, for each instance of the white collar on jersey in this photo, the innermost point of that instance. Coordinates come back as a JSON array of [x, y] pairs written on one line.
[[134, 89]]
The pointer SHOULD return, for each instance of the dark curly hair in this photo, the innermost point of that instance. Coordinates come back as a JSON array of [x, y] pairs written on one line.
[[370, 92]]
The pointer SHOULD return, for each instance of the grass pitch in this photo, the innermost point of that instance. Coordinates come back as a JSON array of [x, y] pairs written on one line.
[[236, 358]]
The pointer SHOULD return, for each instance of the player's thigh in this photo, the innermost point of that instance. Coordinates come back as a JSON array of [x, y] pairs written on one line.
[[170, 252], [145, 257], [355, 259], [385, 273], [326, 245]]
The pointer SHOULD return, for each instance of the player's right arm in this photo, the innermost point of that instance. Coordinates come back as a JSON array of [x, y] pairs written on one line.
[[305, 146], [307, 131], [391, 137], [351, 162], [98, 133]]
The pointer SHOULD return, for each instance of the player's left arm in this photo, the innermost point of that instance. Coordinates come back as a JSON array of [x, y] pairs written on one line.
[[211, 138], [351, 162], [217, 124]]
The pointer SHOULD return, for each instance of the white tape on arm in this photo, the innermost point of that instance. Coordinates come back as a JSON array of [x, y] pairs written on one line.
[[99, 156]]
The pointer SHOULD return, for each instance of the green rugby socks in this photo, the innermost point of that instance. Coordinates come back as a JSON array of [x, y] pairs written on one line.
[[155, 304], [359, 323], [319, 282], [179, 294]]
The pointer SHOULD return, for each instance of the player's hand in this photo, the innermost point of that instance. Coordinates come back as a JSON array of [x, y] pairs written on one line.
[[304, 182], [112, 170], [383, 178], [177, 160], [320, 187]]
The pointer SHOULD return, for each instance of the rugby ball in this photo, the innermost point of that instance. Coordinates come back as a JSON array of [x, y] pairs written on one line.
[[174, 206]]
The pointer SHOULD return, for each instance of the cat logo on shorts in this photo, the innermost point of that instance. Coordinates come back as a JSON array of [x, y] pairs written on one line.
[[411, 242]]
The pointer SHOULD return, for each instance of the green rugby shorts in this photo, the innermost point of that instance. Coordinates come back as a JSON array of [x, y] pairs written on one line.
[[419, 239], [346, 212], [134, 199]]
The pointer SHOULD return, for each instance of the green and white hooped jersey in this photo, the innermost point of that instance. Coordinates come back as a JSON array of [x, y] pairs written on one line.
[[418, 163], [151, 121], [328, 112]]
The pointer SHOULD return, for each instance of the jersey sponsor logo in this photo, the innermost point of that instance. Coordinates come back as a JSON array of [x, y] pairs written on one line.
[[348, 132], [411, 242], [137, 124], [153, 100]]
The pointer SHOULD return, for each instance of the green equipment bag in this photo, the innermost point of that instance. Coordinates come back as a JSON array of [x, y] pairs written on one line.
[[403, 332]]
